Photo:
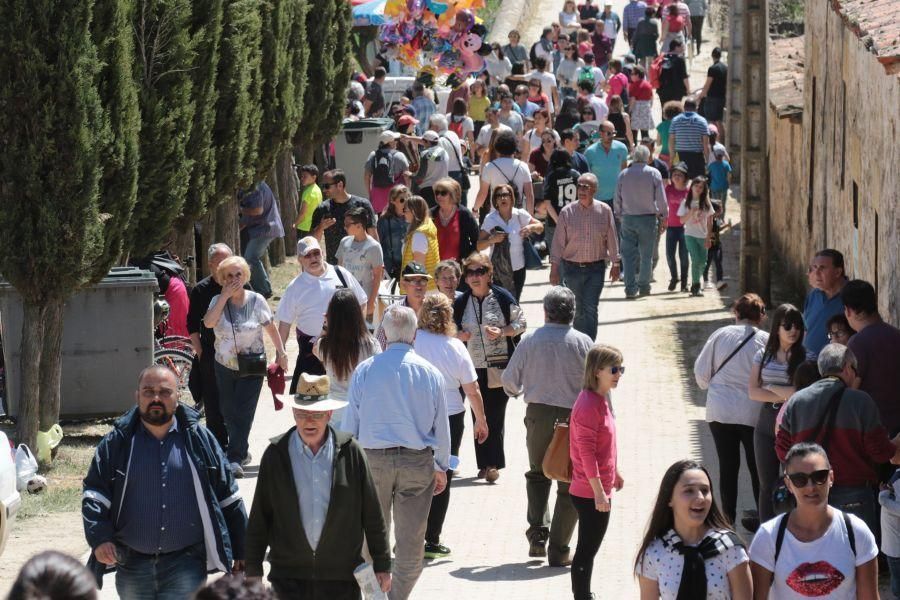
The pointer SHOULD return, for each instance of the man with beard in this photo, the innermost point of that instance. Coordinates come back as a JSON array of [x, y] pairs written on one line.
[[160, 505]]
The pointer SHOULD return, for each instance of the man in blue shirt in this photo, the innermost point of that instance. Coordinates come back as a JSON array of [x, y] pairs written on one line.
[[826, 276], [631, 16], [261, 222], [689, 137], [160, 504], [398, 413], [606, 160]]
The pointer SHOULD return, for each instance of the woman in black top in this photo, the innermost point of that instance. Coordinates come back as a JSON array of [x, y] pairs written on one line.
[[560, 188], [618, 117]]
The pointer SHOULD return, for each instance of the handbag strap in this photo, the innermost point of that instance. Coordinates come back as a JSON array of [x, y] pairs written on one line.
[[231, 321], [733, 353]]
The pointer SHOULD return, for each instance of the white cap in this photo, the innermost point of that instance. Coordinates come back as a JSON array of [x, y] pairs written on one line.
[[387, 137], [307, 245], [431, 136]]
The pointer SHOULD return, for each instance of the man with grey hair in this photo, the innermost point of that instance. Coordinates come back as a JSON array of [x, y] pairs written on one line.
[[548, 366], [847, 423], [398, 413], [203, 384], [641, 208], [449, 141]]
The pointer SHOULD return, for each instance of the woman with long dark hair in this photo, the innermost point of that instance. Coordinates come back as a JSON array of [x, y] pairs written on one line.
[[770, 384], [392, 229], [690, 549], [696, 214]]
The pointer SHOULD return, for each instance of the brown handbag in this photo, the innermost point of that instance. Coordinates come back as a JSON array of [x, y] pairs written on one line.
[[557, 464]]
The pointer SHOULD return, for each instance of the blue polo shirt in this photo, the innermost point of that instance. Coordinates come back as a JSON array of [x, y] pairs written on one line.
[[606, 166], [688, 129], [817, 309]]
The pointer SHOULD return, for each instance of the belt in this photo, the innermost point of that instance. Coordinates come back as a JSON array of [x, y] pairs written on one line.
[[156, 555], [584, 265], [396, 450]]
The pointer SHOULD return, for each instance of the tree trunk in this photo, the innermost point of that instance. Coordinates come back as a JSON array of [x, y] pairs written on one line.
[[305, 155], [50, 371], [226, 224], [182, 244], [29, 369], [288, 193]]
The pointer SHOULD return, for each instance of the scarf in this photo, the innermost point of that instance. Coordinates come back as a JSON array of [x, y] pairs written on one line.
[[693, 575]]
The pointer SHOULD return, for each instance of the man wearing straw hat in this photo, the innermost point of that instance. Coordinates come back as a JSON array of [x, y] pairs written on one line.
[[322, 472]]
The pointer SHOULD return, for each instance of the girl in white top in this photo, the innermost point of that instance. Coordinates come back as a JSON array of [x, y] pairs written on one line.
[[689, 549], [568, 17], [823, 552], [696, 213]]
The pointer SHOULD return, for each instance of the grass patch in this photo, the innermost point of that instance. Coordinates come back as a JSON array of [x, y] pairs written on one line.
[[489, 12], [53, 500]]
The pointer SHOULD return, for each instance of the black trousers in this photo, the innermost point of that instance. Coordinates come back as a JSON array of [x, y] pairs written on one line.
[[490, 453], [697, 32], [518, 283], [728, 438], [304, 589], [592, 526], [306, 361], [440, 502], [714, 256], [695, 162], [209, 394]]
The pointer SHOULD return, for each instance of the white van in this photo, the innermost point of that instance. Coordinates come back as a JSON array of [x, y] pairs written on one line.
[[9, 497]]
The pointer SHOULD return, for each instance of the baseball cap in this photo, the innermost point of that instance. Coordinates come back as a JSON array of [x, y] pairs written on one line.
[[415, 269], [307, 245], [681, 167], [407, 120], [387, 137], [430, 136], [713, 130], [719, 152]]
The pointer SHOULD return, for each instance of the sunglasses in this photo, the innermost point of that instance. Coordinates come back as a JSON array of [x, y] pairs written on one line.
[[441, 193], [502, 195], [585, 186], [617, 369], [476, 272], [605, 132], [790, 326], [801, 480], [325, 186]]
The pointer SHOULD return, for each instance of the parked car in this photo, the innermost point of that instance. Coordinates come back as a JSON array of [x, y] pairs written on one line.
[[9, 497]]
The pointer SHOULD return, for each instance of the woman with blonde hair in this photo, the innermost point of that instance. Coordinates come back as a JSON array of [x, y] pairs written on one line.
[[436, 342], [457, 227], [240, 359], [420, 243], [592, 448]]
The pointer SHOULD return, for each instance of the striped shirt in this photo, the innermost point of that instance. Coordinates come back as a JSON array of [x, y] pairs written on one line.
[[689, 129], [632, 14], [160, 511], [585, 234]]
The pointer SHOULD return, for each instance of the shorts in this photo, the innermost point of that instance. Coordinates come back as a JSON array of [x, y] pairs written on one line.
[[713, 108]]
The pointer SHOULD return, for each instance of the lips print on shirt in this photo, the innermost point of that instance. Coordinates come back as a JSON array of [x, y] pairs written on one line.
[[815, 580]]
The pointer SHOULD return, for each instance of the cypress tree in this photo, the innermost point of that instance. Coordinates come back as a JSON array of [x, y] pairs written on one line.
[[68, 125], [163, 62]]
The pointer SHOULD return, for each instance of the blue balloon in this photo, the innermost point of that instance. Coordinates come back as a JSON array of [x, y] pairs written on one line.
[[438, 7]]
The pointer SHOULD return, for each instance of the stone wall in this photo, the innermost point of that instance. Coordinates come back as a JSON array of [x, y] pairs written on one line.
[[845, 192]]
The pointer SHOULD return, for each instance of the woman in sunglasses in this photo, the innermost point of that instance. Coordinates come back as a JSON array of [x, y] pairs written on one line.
[[392, 229], [815, 550], [457, 227], [690, 549], [592, 448], [770, 384], [488, 319]]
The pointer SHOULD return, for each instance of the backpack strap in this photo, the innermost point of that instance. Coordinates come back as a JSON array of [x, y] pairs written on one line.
[[779, 538], [851, 535], [337, 269]]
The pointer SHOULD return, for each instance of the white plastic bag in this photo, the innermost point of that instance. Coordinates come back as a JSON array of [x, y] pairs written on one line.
[[368, 583], [26, 467]]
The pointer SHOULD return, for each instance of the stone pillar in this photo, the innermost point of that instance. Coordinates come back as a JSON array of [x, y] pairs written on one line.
[[735, 85], [753, 147]]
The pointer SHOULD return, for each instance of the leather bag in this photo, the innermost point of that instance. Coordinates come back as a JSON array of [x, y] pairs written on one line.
[[557, 464]]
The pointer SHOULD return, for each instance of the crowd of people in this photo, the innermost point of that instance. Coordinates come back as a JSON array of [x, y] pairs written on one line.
[[572, 168]]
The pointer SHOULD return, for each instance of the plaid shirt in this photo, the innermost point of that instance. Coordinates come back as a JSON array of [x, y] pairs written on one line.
[[632, 14], [585, 234]]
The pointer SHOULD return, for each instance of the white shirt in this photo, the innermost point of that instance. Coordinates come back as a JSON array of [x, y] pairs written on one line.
[[697, 224], [449, 141], [449, 356], [306, 299], [890, 519], [519, 219], [484, 135], [822, 568], [665, 566], [727, 400]]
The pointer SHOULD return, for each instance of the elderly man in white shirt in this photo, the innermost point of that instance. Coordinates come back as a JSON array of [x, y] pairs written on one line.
[[305, 301]]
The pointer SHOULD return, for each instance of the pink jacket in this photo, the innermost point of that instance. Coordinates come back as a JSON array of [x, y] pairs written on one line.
[[592, 444]]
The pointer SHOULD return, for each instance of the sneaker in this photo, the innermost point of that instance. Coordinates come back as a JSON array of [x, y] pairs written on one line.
[[492, 474], [684, 287], [247, 460], [642, 293], [237, 470], [673, 284], [631, 296], [721, 286], [433, 551], [707, 285], [695, 290], [537, 549]]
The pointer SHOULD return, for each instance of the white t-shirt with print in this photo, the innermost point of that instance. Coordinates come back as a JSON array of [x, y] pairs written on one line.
[[665, 565], [361, 258], [698, 224], [520, 218], [824, 568], [248, 321], [306, 299], [451, 358]]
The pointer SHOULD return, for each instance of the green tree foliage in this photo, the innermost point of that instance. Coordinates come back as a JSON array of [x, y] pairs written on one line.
[[66, 162], [163, 60]]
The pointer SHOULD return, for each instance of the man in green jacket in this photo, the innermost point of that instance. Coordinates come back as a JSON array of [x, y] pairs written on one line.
[[315, 499]]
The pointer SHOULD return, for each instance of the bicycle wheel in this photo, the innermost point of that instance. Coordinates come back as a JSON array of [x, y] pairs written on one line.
[[177, 342], [181, 362]]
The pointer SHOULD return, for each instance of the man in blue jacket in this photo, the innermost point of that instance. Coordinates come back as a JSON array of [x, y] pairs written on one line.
[[160, 505]]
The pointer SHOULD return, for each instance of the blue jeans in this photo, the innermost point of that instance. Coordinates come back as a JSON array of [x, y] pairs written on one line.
[[587, 285], [675, 239], [861, 501], [238, 397], [638, 238], [253, 254], [894, 568], [172, 576]]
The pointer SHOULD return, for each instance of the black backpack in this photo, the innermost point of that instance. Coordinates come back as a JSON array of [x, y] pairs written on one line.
[[666, 70], [381, 173]]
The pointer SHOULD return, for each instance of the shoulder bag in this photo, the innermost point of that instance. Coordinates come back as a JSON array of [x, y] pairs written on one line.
[[250, 364], [557, 463], [732, 355]]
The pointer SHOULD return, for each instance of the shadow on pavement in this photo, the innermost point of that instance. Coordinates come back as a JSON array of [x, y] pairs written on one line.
[[531, 570]]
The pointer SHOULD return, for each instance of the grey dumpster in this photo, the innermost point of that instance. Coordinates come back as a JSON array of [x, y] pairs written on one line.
[[107, 340], [352, 147]]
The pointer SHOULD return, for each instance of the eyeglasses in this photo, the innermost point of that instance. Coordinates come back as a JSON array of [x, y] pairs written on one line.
[[617, 369], [441, 193], [478, 272], [416, 280], [790, 326], [306, 415], [839, 333], [801, 480], [585, 186], [400, 200]]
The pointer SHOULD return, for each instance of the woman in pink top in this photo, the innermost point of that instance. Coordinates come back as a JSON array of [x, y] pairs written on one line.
[[592, 448]]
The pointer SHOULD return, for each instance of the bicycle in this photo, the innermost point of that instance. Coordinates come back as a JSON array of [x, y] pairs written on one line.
[[176, 353]]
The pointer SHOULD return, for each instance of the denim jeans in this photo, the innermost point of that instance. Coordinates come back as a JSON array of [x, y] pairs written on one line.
[[253, 254], [172, 576], [587, 285], [638, 237], [238, 397], [894, 568], [860, 501], [697, 249], [675, 239]]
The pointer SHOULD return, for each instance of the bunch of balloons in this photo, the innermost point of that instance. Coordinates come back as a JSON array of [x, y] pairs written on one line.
[[436, 35]]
